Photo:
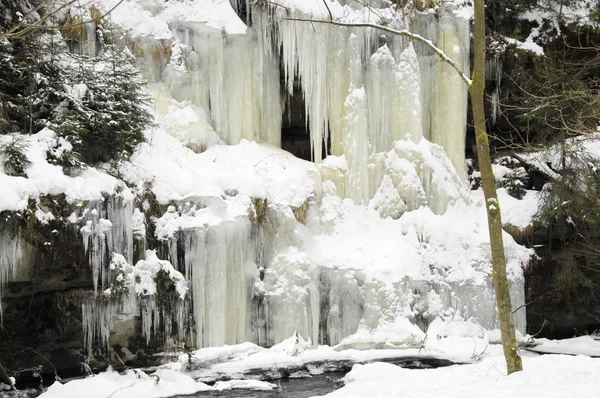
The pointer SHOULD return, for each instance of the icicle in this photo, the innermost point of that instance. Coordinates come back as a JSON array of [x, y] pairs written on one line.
[[98, 319], [493, 73], [130, 286], [219, 260], [95, 243], [120, 213], [450, 120], [101, 237], [10, 258], [150, 318], [234, 79], [158, 318]]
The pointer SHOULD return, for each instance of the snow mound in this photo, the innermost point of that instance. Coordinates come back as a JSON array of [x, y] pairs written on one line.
[[152, 18], [146, 271], [232, 173], [548, 375], [399, 334], [583, 345], [44, 178], [244, 385], [133, 383]]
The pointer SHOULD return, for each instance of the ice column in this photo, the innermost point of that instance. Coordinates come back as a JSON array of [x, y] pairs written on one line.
[[98, 319], [10, 257], [219, 260], [493, 73], [232, 78], [364, 91], [450, 116], [393, 90]]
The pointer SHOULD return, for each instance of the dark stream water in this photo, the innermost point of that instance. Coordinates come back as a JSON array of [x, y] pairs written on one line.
[[315, 385], [292, 388]]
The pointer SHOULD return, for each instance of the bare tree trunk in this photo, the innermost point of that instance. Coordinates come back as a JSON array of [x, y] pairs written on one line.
[[507, 326]]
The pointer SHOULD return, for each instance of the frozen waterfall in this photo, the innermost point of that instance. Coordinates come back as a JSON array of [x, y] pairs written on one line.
[[363, 89], [363, 238], [391, 116]]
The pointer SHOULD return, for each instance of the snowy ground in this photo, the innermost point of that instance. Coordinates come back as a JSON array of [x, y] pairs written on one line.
[[483, 374], [543, 376], [584, 345]]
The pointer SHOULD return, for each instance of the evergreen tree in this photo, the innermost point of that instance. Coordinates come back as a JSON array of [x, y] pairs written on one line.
[[97, 103], [107, 107], [29, 79]]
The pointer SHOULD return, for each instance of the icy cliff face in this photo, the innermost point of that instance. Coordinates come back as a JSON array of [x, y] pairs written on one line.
[[363, 89], [377, 239]]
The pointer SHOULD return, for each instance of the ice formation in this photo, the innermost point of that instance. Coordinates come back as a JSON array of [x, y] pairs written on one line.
[[219, 261], [392, 119], [10, 257], [363, 90], [122, 291], [362, 242], [104, 236], [493, 73], [242, 98], [152, 290]]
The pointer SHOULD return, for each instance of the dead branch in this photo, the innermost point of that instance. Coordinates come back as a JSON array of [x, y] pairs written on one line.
[[22, 29]]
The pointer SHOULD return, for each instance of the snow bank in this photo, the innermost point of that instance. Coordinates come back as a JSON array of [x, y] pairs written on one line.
[[152, 18], [44, 178], [547, 375], [133, 383], [231, 173], [244, 385], [583, 345], [242, 361], [516, 212]]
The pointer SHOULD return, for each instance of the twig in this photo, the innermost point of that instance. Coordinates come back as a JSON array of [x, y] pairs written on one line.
[[422, 347], [16, 33], [477, 357], [592, 315], [328, 10], [530, 339], [521, 306]]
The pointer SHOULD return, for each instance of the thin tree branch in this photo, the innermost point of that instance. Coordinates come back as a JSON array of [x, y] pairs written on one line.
[[521, 306], [15, 33], [328, 10]]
